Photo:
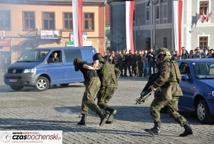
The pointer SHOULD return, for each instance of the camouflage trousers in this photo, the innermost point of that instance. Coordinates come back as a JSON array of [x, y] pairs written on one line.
[[104, 95], [172, 105], [91, 90]]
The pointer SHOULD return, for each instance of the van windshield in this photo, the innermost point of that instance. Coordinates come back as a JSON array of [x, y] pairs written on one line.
[[35, 55]]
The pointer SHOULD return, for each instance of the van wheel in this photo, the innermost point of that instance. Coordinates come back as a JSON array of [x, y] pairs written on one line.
[[16, 88], [202, 112], [64, 85], [42, 83]]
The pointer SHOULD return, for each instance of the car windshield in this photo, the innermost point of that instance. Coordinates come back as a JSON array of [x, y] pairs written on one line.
[[35, 55], [204, 70]]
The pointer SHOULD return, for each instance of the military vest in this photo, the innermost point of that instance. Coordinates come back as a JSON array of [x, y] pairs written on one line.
[[175, 75]]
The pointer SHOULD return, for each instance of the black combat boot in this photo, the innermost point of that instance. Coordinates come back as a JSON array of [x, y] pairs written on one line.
[[103, 118], [187, 131], [111, 113], [83, 120], [155, 130]]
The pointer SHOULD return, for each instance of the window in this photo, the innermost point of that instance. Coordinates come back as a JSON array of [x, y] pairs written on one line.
[[68, 21], [88, 21], [48, 21], [157, 12], [28, 20], [165, 12], [204, 5], [5, 23], [184, 68], [34, 55], [70, 55], [165, 42], [203, 42], [148, 43], [55, 57], [147, 13]]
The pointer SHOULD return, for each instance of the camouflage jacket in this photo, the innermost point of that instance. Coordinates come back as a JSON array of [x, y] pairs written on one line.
[[109, 75], [168, 80]]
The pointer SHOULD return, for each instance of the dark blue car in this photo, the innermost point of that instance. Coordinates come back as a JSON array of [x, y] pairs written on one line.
[[198, 88]]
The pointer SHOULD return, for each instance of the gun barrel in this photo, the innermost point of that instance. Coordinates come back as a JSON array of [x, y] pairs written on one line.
[[143, 97]]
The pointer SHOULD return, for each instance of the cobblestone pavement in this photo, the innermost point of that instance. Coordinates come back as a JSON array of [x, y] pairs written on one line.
[[59, 109]]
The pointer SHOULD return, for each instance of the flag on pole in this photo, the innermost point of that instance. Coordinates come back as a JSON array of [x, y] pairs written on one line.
[[77, 21], [178, 14], [129, 25]]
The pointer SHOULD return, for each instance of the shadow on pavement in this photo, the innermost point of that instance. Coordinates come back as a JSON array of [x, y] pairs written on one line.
[[125, 113], [65, 126], [132, 114]]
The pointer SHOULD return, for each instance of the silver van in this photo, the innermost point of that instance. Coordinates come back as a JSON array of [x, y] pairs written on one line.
[[43, 67]]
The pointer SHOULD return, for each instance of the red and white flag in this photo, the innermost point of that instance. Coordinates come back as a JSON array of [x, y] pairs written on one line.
[[129, 25], [178, 14], [77, 21]]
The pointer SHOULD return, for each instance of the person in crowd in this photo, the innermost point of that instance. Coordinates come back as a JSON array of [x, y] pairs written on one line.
[[151, 61]]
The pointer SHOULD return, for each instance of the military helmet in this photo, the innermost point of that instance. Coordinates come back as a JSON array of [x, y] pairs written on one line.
[[163, 54], [99, 57]]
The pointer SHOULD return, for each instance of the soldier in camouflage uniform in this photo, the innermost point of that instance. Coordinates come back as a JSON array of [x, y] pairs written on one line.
[[92, 86], [109, 76], [168, 92]]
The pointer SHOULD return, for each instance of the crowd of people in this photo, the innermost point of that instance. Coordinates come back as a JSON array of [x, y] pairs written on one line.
[[142, 63]]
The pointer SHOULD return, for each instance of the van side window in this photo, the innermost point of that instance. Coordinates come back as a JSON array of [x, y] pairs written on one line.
[[55, 57], [71, 54]]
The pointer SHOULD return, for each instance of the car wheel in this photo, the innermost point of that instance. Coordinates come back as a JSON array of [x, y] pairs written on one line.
[[202, 112], [42, 83], [16, 88], [64, 85]]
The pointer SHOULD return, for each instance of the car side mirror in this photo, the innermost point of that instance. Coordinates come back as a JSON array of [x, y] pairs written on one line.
[[185, 78]]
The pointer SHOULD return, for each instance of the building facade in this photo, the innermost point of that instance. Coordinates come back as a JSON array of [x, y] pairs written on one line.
[[48, 23], [117, 23], [154, 24]]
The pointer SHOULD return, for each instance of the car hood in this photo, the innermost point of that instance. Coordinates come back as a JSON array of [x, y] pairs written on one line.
[[209, 82], [24, 65]]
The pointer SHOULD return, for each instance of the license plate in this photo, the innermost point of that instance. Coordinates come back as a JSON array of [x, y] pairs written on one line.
[[12, 80]]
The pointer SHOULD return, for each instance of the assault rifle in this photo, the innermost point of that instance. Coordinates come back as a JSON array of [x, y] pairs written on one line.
[[146, 92]]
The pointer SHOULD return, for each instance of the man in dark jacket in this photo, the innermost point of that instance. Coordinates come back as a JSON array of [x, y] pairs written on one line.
[[92, 86]]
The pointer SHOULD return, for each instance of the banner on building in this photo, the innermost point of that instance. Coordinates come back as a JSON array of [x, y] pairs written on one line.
[[5, 43], [130, 25], [50, 34], [77, 21], [178, 14]]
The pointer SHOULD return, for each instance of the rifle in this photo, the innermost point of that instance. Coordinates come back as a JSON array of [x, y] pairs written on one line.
[[146, 92], [143, 96]]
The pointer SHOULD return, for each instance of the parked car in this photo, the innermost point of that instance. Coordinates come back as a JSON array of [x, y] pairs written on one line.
[[197, 85], [43, 67]]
